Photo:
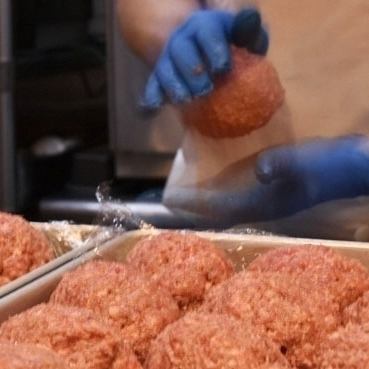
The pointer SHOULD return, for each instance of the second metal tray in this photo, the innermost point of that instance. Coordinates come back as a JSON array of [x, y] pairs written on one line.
[[241, 248]]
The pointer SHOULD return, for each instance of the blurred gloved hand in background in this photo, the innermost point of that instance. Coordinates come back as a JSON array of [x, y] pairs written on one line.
[[197, 50], [290, 179], [301, 176]]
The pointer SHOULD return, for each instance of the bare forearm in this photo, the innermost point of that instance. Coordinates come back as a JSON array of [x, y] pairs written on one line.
[[146, 24]]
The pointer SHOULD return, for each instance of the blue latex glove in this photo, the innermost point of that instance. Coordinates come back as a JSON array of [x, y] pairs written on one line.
[[297, 177], [291, 179], [300, 176], [199, 49]]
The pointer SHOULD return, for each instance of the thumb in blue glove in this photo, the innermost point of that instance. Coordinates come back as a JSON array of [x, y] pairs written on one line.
[[197, 50]]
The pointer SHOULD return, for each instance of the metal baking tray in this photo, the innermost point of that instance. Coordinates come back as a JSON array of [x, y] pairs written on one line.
[[67, 241], [241, 248]]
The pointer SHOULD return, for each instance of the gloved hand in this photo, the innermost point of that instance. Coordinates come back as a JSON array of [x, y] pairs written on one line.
[[289, 179], [298, 177], [199, 49]]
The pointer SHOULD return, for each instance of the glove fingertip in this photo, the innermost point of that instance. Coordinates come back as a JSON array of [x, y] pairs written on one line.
[[247, 31], [149, 104], [153, 97], [148, 108], [261, 43], [205, 91], [246, 27]]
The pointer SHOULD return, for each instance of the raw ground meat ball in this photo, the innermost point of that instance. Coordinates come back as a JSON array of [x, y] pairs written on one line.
[[29, 357], [243, 100], [84, 341], [347, 348], [135, 305], [22, 247], [357, 312], [211, 341], [346, 278], [295, 313], [184, 263]]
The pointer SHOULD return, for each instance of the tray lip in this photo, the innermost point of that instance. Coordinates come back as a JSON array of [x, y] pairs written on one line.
[[75, 257], [290, 241], [55, 263], [272, 240]]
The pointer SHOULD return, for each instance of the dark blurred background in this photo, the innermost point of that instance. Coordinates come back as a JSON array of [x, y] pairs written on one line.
[[60, 52], [60, 98], [68, 113]]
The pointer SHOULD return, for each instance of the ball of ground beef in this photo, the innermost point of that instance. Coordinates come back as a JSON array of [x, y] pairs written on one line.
[[84, 341], [29, 357], [291, 310], [346, 278], [139, 308], [204, 341], [22, 247], [243, 100], [347, 348], [185, 264], [358, 311]]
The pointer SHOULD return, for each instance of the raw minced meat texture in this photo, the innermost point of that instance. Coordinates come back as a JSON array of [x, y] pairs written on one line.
[[212, 341], [346, 278], [139, 308], [294, 312], [22, 356], [347, 348], [185, 264], [22, 247], [358, 311], [84, 341], [243, 100]]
